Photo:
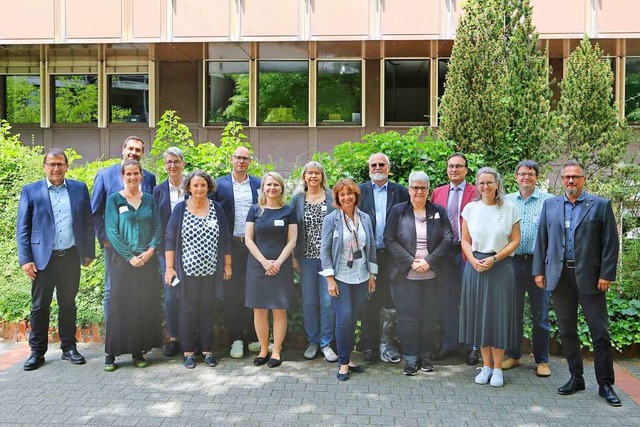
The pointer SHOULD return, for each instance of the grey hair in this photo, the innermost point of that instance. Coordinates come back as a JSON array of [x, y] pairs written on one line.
[[173, 151], [386, 158], [301, 186], [419, 176], [211, 184], [500, 185]]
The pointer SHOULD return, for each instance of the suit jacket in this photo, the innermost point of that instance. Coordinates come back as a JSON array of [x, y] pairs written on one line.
[[396, 193], [331, 243], [440, 196], [297, 202], [596, 243], [35, 234], [224, 196], [108, 181], [400, 239]]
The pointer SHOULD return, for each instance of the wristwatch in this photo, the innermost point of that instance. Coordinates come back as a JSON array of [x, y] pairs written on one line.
[[495, 258]]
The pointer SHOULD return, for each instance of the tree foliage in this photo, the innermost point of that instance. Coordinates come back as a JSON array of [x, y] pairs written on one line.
[[496, 99], [588, 127]]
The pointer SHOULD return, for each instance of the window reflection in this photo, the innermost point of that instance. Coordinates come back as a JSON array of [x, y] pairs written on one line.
[[21, 98], [129, 98], [283, 92], [227, 92], [75, 98], [406, 90], [632, 90], [339, 92]]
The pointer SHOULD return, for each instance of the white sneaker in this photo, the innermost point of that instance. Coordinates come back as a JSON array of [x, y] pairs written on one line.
[[329, 354], [254, 346], [497, 379], [311, 351], [484, 375], [237, 349]]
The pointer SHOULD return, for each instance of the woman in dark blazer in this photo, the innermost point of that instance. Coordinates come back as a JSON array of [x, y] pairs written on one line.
[[418, 237]]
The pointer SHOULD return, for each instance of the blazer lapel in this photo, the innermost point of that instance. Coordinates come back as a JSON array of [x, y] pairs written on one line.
[[44, 193], [586, 206]]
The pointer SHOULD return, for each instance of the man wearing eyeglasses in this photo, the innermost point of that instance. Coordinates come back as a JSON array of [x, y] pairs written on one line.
[[108, 181], [454, 197], [378, 196], [54, 236], [529, 199], [237, 192], [575, 257]]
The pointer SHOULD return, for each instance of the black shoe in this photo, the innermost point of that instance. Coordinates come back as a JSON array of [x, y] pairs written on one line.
[[172, 348], [189, 361], [442, 354], [606, 391], [426, 365], [342, 377], [210, 360], [74, 357], [370, 355], [274, 363], [356, 369], [410, 369], [33, 362], [472, 358], [573, 385], [259, 361]]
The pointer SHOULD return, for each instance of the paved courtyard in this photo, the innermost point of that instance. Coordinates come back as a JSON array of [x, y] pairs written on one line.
[[298, 393]]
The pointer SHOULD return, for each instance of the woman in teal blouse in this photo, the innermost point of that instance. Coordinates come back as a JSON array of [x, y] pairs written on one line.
[[132, 224]]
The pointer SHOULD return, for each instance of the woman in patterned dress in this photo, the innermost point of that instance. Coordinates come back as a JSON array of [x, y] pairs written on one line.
[[270, 235], [198, 256], [312, 202]]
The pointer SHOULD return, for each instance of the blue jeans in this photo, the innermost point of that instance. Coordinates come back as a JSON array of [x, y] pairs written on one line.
[[539, 303], [317, 312], [347, 306], [171, 302], [417, 303]]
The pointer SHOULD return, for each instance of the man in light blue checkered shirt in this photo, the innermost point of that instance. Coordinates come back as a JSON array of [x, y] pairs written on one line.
[[529, 200]]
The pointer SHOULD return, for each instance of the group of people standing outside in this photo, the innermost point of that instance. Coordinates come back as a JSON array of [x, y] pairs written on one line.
[[454, 268]]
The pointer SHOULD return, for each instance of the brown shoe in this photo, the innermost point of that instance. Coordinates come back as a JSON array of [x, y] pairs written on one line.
[[542, 370], [509, 363]]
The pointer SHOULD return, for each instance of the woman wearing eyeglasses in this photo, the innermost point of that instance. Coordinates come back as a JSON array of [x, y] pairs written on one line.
[[418, 237], [490, 235]]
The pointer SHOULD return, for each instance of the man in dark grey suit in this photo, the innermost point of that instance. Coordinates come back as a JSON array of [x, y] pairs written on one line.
[[378, 196], [575, 257]]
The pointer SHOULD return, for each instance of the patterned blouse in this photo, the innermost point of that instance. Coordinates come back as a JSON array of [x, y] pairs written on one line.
[[314, 214], [200, 236]]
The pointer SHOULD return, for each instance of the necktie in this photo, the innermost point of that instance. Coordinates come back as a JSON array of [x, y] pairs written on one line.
[[454, 213]]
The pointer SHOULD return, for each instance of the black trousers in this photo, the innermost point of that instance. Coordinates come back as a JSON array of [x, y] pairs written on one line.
[[566, 298], [62, 274], [238, 318], [370, 316], [196, 313]]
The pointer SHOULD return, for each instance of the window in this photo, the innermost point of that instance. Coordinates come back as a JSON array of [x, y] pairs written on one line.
[[406, 92], [443, 67], [632, 90], [339, 92], [21, 98], [227, 96], [283, 92], [129, 98], [75, 98]]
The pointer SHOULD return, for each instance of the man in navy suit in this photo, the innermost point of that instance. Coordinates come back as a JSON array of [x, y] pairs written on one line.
[[108, 181], [377, 198], [575, 257], [54, 236], [236, 193]]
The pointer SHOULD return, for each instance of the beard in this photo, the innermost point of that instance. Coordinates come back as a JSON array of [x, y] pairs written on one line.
[[378, 176], [570, 191]]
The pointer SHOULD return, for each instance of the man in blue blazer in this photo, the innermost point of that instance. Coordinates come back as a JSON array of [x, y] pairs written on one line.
[[575, 257], [237, 192], [54, 236], [378, 196], [108, 181]]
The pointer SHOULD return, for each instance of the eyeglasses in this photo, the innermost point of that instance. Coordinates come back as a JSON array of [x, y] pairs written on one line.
[[457, 166], [242, 158], [486, 184], [567, 178], [377, 165], [527, 174], [172, 162], [56, 165], [418, 188]]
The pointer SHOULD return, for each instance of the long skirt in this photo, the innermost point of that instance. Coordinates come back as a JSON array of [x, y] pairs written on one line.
[[134, 322], [487, 314]]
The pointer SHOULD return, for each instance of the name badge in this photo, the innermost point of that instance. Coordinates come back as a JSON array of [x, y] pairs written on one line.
[[498, 218], [567, 224], [211, 223], [123, 209], [536, 219], [278, 223], [437, 215], [323, 208]]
